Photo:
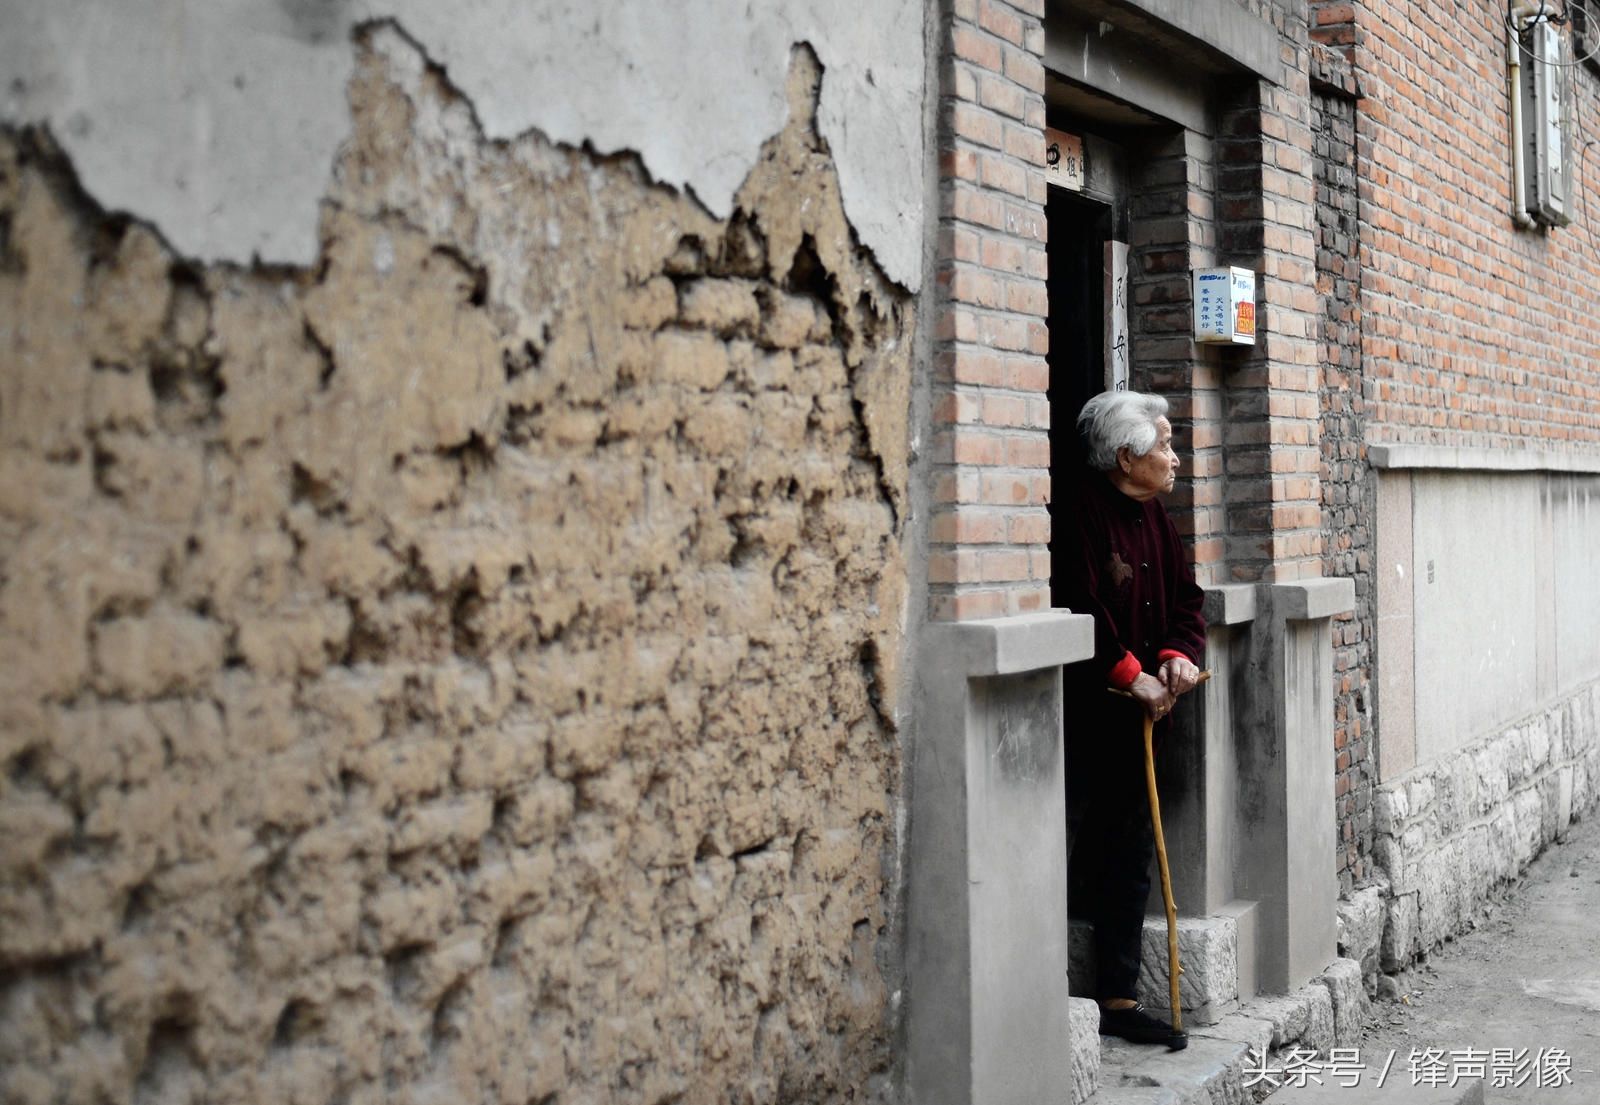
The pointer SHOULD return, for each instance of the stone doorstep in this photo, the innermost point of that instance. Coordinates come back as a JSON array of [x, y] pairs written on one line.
[[1392, 1093], [1084, 1018], [1208, 950], [1211, 1070]]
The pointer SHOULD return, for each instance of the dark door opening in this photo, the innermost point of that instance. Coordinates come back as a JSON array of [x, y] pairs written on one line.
[[1079, 230]]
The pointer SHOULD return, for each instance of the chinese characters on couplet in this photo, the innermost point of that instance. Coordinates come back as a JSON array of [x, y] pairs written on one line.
[[1500, 1067]]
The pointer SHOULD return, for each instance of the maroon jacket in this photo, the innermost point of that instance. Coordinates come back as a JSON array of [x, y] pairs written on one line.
[[1126, 567]]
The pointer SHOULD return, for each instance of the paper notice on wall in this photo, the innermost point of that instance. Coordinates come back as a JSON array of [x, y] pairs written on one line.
[[1225, 306], [1063, 159], [1116, 316]]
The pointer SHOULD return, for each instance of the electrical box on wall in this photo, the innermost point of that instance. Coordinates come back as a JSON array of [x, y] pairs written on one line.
[[1546, 112], [1225, 306]]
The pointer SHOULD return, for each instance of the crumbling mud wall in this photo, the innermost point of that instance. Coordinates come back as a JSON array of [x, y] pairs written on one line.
[[463, 671]]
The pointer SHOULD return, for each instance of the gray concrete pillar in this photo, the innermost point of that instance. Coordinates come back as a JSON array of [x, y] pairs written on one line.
[[987, 1013], [1285, 852], [1199, 765]]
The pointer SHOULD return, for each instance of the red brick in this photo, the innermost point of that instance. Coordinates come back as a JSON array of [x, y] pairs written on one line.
[[968, 526], [969, 605], [1005, 174], [1004, 410], [1025, 600], [980, 49], [973, 446], [1025, 69], [1003, 566], [1004, 254], [975, 124], [1027, 298], [1006, 488], [970, 285], [1029, 529], [1030, 451], [1029, 374], [968, 365], [999, 94]]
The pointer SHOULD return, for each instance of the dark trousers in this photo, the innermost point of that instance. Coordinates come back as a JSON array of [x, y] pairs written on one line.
[[1112, 843]]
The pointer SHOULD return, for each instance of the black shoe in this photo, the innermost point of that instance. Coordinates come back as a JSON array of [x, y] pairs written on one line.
[[1140, 1027]]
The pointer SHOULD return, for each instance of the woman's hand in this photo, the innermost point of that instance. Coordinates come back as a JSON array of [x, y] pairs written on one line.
[[1152, 694], [1179, 676]]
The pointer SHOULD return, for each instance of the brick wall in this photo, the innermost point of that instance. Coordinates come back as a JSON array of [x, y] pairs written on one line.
[[461, 671], [1347, 488], [990, 528], [1266, 217], [1473, 332], [1172, 206], [1477, 332]]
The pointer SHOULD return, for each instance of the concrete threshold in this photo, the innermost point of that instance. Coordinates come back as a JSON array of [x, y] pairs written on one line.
[[1393, 1092], [1234, 1060], [1210, 1071]]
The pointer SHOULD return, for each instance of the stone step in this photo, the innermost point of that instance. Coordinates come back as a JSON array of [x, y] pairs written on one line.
[[1208, 950], [1210, 1071], [1084, 1021], [1225, 1061], [1135, 1095], [1393, 1092]]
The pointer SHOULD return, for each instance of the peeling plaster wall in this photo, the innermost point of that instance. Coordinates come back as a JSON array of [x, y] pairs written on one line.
[[463, 669], [219, 122]]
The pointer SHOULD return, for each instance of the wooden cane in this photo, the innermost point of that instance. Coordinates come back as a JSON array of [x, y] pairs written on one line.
[[1174, 968]]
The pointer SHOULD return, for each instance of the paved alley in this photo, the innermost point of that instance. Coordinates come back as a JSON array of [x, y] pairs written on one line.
[[1518, 999]]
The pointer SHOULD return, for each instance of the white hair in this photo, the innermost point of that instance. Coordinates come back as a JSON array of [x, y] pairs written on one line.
[[1114, 419]]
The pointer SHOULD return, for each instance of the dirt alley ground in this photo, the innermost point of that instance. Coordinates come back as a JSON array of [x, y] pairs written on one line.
[[1528, 976]]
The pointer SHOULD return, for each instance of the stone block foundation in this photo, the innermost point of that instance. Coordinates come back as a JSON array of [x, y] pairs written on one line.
[[1450, 833]]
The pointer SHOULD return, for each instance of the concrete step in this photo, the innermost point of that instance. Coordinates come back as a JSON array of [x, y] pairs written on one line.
[[1395, 1091], [1084, 1021], [1208, 1072], [1209, 949], [1135, 1095], [1223, 1063]]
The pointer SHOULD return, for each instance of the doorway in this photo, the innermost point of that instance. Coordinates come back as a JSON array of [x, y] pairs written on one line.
[[1088, 326]]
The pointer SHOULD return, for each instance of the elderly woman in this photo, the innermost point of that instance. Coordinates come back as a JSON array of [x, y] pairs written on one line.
[[1124, 565]]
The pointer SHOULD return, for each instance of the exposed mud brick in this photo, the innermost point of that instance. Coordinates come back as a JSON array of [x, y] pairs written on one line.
[[463, 670]]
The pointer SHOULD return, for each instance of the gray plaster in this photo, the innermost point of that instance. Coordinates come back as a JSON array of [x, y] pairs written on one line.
[[1230, 603], [1515, 459], [986, 960], [1305, 599], [1017, 897], [1571, 594], [1023, 642], [219, 122], [1396, 705], [1476, 624], [1285, 805], [1120, 64], [1223, 26], [1200, 768]]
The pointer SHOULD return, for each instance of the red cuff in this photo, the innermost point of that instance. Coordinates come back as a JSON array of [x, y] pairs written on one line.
[[1169, 653], [1125, 671]]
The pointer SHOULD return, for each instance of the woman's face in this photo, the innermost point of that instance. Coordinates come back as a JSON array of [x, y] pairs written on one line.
[[1154, 473]]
